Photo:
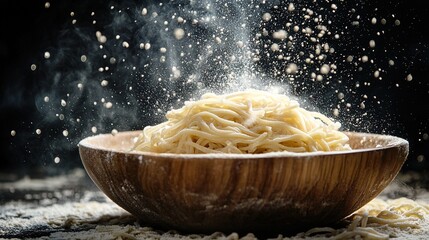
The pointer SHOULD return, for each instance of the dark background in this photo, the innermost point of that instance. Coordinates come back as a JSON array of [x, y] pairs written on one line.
[[28, 29]]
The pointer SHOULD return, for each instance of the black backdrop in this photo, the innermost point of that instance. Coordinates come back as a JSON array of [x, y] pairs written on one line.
[[28, 29]]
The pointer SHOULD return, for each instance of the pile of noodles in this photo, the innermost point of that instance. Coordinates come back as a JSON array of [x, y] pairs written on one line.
[[251, 121]]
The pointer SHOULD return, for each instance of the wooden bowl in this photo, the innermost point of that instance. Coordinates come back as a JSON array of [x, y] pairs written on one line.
[[242, 192]]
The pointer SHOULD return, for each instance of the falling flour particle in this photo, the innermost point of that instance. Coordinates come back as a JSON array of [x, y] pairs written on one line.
[[47, 55], [218, 40], [114, 132], [46, 99], [336, 112], [65, 133], [100, 37], [364, 58], [104, 83], [397, 22], [409, 77], [57, 159], [372, 44], [374, 20], [179, 33], [144, 11], [80, 86], [280, 34], [38, 131], [240, 44], [163, 50], [33, 67], [291, 7], [63, 103], [340, 95], [47, 4], [296, 28], [391, 62], [377, 74], [109, 105], [83, 58], [266, 17], [325, 69], [94, 130], [383, 21], [147, 46], [125, 44], [292, 68], [13, 133], [274, 47], [180, 20]]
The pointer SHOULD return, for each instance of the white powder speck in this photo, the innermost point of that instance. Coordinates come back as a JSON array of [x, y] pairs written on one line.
[[240, 44], [340, 95], [372, 44], [377, 74], [147, 46], [391, 62], [364, 58], [83, 58], [38, 131], [47, 55], [144, 11], [33, 67], [114, 132], [80, 86], [218, 40], [63, 103], [291, 7], [280, 34], [409, 77], [274, 47], [334, 6], [324, 69], [46, 99], [13, 133], [292, 68], [163, 50], [109, 105], [65, 133], [57, 159], [104, 83], [94, 130], [180, 20], [179, 33], [374, 20], [47, 4], [125, 44], [397, 22], [266, 17], [383, 21]]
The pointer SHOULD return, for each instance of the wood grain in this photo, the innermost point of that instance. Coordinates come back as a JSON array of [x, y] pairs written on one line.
[[266, 192]]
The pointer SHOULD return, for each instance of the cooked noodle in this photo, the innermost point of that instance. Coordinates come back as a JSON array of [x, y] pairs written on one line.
[[249, 121], [378, 220]]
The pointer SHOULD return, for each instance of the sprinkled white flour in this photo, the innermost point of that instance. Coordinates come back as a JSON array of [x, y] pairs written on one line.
[[89, 214]]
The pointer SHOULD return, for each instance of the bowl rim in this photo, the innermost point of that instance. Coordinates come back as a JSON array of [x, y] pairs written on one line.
[[395, 141]]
